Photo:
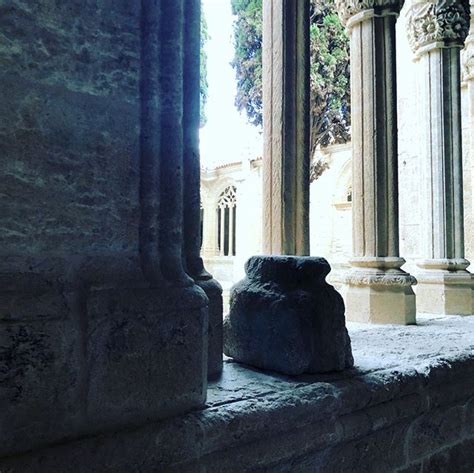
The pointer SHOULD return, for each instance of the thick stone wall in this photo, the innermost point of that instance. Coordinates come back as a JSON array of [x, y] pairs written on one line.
[[87, 340]]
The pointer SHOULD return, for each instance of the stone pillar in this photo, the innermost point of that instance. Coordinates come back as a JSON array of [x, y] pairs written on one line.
[[222, 232], [209, 244], [377, 289], [286, 127], [467, 57], [101, 329], [437, 30], [192, 183], [231, 230]]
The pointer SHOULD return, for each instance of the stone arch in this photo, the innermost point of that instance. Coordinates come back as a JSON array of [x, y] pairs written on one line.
[[343, 193]]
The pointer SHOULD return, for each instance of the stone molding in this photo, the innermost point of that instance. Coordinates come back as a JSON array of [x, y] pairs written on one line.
[[446, 264], [437, 21], [349, 8], [399, 278], [379, 271]]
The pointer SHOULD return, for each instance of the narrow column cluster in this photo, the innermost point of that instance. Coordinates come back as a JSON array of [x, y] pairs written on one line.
[[377, 289], [437, 31], [170, 190], [192, 183]]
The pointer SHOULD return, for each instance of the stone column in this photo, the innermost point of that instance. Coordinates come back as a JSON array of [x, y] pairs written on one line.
[[209, 244], [437, 30], [192, 182], [377, 289], [467, 57], [286, 127], [222, 233], [231, 231]]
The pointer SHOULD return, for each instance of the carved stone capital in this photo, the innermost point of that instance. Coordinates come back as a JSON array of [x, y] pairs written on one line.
[[349, 8], [437, 21], [467, 55]]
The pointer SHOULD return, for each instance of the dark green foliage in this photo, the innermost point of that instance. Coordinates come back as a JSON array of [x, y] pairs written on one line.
[[248, 57], [330, 100]]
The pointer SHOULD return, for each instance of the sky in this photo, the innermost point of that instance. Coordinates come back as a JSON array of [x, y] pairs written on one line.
[[227, 136]]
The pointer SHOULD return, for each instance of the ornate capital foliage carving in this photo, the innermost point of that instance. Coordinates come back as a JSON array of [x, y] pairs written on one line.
[[349, 8], [437, 21], [468, 52]]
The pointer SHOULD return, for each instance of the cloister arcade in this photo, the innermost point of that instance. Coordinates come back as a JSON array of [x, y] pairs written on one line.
[[111, 325]]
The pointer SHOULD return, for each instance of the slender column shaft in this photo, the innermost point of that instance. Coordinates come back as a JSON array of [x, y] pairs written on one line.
[[445, 287], [470, 89], [192, 182], [222, 234], [150, 144], [191, 122], [441, 96], [231, 231], [468, 76], [286, 126], [377, 289], [374, 137], [171, 181], [210, 244]]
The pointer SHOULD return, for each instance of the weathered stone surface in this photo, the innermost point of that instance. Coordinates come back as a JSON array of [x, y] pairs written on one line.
[[285, 317], [213, 291], [286, 127], [376, 281], [94, 321], [131, 350], [437, 30], [361, 420]]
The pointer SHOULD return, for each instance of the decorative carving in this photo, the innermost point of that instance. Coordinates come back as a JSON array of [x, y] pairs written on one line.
[[401, 278], [228, 198], [349, 8], [433, 21]]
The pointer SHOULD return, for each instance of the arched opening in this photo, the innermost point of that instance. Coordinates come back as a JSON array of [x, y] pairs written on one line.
[[226, 221]]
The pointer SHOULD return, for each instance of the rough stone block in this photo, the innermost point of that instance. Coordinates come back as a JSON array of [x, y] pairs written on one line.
[[285, 317], [432, 431], [381, 304], [136, 340], [456, 459]]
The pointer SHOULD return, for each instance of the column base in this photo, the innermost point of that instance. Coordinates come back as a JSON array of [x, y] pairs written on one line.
[[378, 291], [445, 288]]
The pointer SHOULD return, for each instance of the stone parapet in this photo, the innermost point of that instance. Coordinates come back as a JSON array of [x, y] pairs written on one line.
[[400, 408]]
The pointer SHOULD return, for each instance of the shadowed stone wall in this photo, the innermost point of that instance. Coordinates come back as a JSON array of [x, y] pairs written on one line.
[[94, 333]]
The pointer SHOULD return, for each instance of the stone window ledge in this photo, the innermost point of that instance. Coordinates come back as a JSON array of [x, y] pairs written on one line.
[[408, 402]]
